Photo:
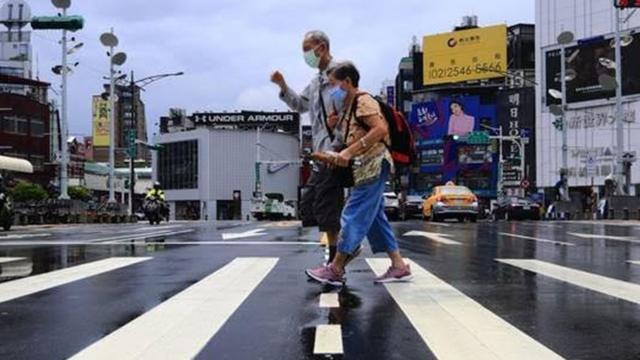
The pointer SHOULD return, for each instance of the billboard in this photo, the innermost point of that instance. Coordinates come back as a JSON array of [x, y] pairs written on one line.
[[442, 158], [465, 55], [586, 62], [437, 119], [101, 124], [516, 115]]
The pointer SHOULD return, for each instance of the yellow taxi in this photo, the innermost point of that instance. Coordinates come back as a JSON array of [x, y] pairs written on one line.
[[450, 201]]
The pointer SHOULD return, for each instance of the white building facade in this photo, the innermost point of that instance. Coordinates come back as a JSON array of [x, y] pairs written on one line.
[[204, 168], [590, 113]]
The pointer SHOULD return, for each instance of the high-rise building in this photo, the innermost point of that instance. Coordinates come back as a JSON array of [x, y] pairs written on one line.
[[124, 120]]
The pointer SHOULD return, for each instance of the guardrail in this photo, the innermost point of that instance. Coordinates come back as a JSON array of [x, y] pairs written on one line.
[[55, 211]]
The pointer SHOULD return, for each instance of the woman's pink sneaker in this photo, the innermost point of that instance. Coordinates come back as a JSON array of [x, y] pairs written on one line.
[[326, 275], [395, 275]]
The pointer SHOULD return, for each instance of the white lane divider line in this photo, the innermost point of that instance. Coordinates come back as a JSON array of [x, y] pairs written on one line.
[[329, 300], [538, 239], [123, 243], [602, 284], [453, 325], [328, 340], [634, 262], [17, 288], [125, 238], [4, 260], [180, 327], [437, 237], [23, 236], [605, 237]]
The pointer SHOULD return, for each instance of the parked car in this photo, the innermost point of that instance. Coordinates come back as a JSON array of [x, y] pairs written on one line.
[[516, 208], [413, 205], [450, 201], [392, 207]]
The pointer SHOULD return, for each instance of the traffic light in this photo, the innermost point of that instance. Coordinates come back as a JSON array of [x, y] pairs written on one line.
[[558, 124], [71, 23]]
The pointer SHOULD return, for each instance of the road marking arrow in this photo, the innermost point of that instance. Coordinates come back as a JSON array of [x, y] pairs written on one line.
[[246, 234], [606, 237], [437, 237]]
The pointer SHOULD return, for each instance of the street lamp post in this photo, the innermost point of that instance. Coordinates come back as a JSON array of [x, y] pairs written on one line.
[[620, 163], [133, 128], [564, 39], [111, 41]]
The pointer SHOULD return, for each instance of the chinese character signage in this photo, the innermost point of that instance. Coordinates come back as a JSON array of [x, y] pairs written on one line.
[[101, 122], [465, 55]]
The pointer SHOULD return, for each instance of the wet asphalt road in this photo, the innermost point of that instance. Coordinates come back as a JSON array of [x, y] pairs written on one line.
[[581, 299]]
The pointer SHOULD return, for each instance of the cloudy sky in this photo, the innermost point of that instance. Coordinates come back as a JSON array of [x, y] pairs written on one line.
[[228, 48]]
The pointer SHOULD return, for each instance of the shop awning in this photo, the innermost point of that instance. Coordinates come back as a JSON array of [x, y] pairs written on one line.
[[15, 164]]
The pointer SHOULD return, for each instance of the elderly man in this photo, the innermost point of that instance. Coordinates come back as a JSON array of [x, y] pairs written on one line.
[[323, 201]]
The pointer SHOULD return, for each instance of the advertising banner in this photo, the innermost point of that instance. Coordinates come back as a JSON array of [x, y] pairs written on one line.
[[586, 62], [101, 123], [465, 55], [436, 119]]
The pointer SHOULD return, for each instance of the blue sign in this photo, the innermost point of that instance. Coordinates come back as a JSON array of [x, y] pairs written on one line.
[[391, 96]]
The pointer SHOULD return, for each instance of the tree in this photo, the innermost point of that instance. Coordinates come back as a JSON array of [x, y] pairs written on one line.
[[79, 193], [25, 191]]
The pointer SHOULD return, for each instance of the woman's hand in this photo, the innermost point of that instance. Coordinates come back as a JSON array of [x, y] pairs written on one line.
[[332, 120], [343, 158], [333, 159]]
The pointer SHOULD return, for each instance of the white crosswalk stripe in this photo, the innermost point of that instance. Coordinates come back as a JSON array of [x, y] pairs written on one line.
[[180, 327], [17, 288], [328, 340], [4, 260], [634, 262], [453, 325], [602, 284]]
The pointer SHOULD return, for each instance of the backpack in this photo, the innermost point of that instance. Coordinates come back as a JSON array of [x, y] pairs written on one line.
[[403, 146]]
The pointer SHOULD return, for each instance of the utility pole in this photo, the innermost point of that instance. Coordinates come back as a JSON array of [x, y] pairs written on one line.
[[64, 159], [132, 145]]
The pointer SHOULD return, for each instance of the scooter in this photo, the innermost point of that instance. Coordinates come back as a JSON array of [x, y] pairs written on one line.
[[154, 211]]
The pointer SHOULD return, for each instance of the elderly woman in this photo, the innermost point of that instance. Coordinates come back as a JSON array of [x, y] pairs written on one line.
[[364, 132]]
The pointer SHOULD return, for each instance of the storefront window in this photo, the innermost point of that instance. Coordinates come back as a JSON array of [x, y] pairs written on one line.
[[178, 165]]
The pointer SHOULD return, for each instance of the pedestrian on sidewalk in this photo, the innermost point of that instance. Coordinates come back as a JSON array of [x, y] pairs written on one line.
[[365, 133], [323, 199]]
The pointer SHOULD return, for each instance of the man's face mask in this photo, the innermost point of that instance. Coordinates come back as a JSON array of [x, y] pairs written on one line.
[[311, 58]]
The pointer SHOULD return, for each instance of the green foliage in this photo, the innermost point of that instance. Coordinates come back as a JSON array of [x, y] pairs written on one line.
[[79, 193], [25, 191]]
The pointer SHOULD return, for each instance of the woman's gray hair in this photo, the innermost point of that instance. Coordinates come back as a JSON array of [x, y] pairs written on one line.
[[318, 36]]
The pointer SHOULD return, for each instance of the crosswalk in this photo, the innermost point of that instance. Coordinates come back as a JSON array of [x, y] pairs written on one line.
[[451, 324]]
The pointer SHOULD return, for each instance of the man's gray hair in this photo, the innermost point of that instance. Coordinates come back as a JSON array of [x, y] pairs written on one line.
[[318, 36]]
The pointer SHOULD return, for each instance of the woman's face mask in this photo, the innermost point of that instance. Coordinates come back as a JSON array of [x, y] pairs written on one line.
[[338, 97]]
